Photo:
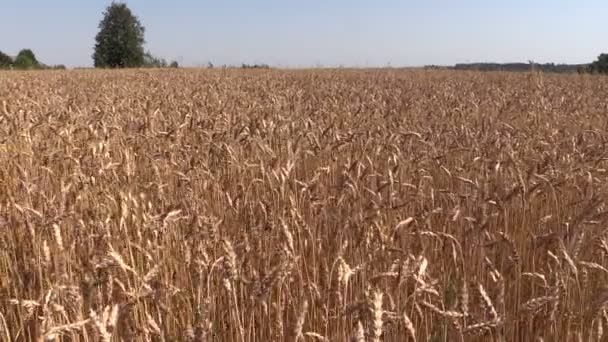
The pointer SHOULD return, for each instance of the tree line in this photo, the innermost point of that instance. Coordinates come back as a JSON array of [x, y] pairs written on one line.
[[546, 67], [120, 44], [597, 67], [25, 59]]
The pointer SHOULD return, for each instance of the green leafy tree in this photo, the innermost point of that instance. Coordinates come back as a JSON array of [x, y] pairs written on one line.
[[119, 43], [600, 65], [150, 61], [5, 60], [26, 60]]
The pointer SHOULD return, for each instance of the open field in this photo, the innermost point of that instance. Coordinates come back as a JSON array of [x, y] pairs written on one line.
[[230, 205]]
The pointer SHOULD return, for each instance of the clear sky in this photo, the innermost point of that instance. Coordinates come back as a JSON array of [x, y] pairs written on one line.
[[320, 32]]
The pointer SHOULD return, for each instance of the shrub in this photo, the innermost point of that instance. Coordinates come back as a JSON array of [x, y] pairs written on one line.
[[5, 60], [26, 60]]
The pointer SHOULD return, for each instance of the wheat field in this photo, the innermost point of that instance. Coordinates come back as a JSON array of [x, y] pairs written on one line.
[[310, 205]]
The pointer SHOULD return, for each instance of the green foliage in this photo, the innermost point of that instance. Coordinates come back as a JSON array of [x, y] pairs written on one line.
[[600, 66], [151, 61], [119, 43], [27, 54], [26, 60], [255, 66], [516, 67], [5, 60]]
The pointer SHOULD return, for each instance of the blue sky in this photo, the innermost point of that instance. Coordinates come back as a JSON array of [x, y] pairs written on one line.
[[320, 32]]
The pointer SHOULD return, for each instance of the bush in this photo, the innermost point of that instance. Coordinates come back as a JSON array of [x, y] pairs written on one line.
[[151, 61], [26, 60], [255, 66], [600, 65], [5, 61]]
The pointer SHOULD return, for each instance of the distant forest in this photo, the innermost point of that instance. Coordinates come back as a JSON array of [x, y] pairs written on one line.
[[547, 67]]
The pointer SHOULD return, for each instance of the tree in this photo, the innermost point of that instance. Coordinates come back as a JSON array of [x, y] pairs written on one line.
[[150, 61], [5, 61], [600, 65], [26, 60], [119, 43]]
